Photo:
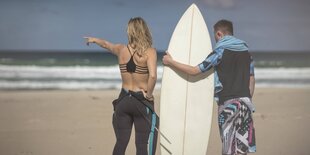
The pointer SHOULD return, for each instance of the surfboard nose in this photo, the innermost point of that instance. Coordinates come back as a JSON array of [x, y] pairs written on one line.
[[193, 6]]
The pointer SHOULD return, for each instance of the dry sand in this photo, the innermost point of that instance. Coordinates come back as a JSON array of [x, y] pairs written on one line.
[[59, 122]]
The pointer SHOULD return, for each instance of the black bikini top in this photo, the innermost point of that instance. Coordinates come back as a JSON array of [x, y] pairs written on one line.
[[131, 66]]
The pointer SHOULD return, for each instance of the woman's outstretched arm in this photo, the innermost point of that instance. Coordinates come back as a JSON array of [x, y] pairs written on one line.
[[113, 48]]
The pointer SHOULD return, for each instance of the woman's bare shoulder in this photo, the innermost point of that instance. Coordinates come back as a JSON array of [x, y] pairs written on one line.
[[121, 48], [151, 51]]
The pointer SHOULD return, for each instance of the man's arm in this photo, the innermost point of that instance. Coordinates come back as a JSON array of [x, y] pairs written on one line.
[[188, 69], [212, 60], [252, 85], [252, 78]]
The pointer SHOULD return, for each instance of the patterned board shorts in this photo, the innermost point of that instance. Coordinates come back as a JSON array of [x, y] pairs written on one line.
[[236, 126]]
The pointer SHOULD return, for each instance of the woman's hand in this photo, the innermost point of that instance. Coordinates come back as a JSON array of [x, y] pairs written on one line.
[[149, 98], [113, 48], [90, 40]]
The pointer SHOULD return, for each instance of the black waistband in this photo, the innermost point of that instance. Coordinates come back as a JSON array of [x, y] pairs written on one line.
[[138, 95]]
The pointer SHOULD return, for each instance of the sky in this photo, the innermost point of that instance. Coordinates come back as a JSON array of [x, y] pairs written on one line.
[[266, 25]]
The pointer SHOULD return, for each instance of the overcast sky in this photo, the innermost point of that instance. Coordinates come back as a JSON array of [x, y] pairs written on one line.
[[267, 25]]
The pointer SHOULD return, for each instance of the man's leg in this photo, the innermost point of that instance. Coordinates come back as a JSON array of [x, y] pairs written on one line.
[[228, 113], [245, 133]]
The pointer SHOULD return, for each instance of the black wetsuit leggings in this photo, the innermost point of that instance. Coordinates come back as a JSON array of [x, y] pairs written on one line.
[[129, 110]]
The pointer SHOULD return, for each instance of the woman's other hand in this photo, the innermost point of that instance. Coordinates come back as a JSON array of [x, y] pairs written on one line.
[[149, 98]]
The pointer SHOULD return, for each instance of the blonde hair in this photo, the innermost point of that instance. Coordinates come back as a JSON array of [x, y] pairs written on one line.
[[139, 35]]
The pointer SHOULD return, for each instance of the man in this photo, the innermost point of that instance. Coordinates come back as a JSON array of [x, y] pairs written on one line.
[[234, 88]]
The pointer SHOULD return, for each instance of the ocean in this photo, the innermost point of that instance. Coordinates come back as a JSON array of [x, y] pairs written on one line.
[[78, 70]]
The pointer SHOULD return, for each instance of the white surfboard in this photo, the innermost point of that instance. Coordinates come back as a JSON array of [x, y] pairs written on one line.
[[186, 102]]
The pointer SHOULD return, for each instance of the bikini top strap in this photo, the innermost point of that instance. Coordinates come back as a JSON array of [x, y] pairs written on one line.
[[130, 51]]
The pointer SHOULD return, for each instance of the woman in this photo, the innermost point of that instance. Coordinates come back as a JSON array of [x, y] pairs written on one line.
[[137, 63]]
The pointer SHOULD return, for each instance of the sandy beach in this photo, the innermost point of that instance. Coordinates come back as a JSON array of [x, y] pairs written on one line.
[[64, 122]]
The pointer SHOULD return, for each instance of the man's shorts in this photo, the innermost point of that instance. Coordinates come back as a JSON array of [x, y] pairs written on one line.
[[236, 126]]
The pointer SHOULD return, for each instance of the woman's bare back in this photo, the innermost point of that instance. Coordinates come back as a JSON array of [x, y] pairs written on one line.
[[134, 81]]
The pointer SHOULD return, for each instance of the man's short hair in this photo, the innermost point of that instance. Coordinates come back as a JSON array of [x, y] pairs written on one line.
[[224, 26]]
